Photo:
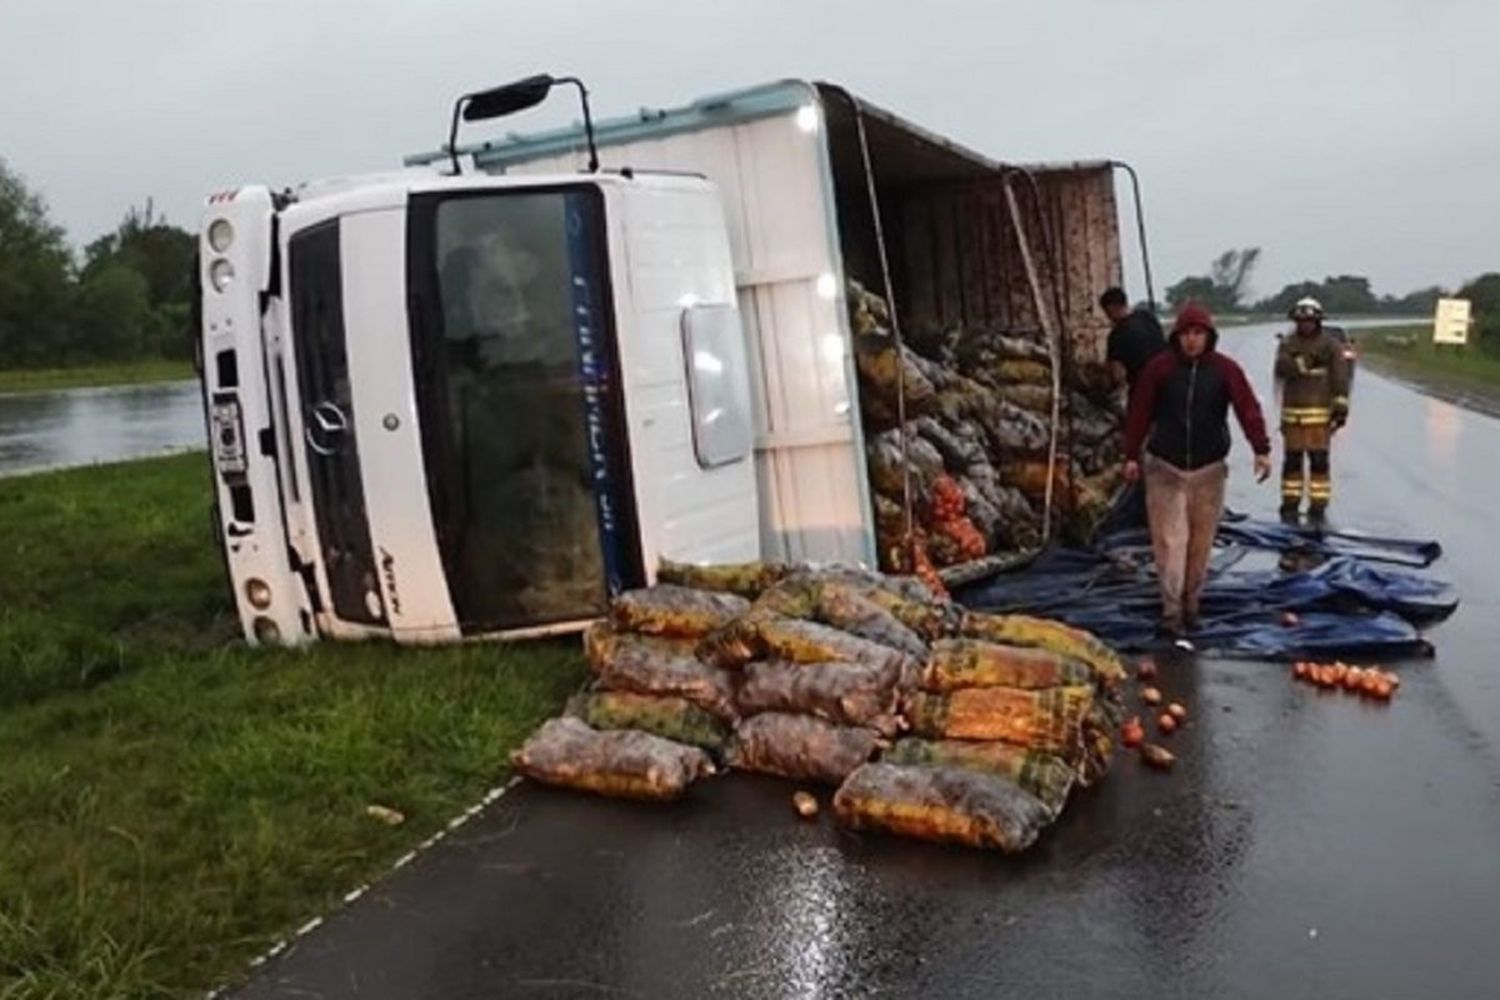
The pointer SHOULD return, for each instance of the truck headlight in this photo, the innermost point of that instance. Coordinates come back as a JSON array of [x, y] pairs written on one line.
[[220, 235], [267, 632], [220, 274], [258, 593]]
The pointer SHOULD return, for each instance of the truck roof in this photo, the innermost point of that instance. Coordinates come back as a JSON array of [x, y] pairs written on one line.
[[713, 111], [356, 191]]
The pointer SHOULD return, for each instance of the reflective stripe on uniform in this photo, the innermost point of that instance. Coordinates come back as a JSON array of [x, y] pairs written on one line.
[[1301, 416]]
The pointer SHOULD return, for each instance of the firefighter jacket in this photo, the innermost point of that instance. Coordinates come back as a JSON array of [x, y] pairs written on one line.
[[1315, 379]]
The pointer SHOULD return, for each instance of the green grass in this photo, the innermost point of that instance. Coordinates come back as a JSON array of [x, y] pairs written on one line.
[[172, 802], [121, 373], [1408, 350]]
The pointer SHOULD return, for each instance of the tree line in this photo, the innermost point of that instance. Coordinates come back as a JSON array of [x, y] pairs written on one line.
[[126, 297], [1225, 288]]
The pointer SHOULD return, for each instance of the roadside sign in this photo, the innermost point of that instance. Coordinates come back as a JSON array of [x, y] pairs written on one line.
[[1450, 324]]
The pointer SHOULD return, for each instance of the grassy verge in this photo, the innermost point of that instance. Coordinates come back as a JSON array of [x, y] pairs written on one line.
[[84, 376], [171, 802], [1409, 351]]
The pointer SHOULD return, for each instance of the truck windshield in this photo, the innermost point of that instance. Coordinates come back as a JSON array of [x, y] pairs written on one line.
[[517, 396]]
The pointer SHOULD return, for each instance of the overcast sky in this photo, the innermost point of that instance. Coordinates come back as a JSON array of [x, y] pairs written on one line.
[[1341, 136]]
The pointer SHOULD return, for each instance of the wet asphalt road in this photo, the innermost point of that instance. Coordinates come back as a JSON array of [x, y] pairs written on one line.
[[53, 430], [1308, 845]]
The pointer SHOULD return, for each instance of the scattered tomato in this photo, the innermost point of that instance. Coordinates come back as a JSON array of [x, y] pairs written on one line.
[[1300, 670], [1132, 733], [1146, 669], [805, 804], [1166, 723], [1354, 679], [1176, 711], [1157, 756], [1290, 619], [1151, 696], [1383, 689]]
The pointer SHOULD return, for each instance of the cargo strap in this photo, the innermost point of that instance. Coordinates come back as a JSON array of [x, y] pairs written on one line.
[[1053, 348], [908, 515]]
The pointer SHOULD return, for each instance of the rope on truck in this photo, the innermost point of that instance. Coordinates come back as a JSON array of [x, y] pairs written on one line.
[[907, 506]]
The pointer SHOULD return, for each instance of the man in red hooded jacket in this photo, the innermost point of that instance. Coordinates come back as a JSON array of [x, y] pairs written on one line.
[[1182, 399]]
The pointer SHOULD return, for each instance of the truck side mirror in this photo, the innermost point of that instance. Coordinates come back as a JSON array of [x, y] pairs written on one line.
[[518, 96], [506, 100]]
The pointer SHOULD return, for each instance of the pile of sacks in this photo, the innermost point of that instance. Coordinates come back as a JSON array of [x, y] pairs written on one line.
[[932, 721], [970, 410]]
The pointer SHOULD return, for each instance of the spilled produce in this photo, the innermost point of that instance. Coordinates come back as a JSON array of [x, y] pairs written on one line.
[[931, 721]]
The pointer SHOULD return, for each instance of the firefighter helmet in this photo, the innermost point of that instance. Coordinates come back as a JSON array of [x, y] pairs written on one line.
[[1306, 308]]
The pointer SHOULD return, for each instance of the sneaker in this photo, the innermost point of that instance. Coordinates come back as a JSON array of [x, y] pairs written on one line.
[[1289, 514]]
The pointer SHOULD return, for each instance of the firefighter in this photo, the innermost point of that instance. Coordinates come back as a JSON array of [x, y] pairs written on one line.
[[1314, 379]]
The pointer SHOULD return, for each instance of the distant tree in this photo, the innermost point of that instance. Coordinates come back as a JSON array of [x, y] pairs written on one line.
[[35, 276], [1230, 272], [1483, 294], [1194, 288], [1347, 293], [1223, 288], [113, 319], [162, 255], [1421, 302]]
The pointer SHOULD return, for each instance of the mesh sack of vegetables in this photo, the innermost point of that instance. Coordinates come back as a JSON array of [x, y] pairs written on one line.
[[1050, 719], [904, 596], [1022, 371], [880, 364], [850, 694], [646, 664], [1047, 776], [1043, 633], [670, 610], [1097, 748], [1032, 398], [861, 613], [966, 663], [960, 447], [801, 747], [772, 637], [623, 764], [946, 804], [867, 309], [748, 580], [858, 608], [667, 716], [1100, 727]]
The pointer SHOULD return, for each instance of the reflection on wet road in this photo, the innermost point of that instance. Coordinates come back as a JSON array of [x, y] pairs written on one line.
[[51, 430]]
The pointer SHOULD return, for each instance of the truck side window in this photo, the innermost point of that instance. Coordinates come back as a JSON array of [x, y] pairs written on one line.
[[713, 349]]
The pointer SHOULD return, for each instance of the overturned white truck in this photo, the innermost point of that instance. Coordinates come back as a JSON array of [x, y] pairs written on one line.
[[447, 404]]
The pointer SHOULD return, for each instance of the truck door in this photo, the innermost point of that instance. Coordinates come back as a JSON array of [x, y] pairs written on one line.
[[519, 400]]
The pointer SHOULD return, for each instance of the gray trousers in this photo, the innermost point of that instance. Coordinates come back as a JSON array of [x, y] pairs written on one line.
[[1183, 508]]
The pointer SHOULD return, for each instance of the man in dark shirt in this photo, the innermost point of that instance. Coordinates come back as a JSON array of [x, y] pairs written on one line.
[[1134, 338]]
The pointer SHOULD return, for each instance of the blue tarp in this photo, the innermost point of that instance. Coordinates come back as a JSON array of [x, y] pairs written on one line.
[[1351, 594]]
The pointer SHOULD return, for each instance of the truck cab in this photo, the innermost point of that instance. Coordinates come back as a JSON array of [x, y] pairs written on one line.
[[445, 407]]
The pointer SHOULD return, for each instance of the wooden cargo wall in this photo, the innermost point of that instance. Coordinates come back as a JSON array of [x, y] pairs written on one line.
[[961, 263]]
